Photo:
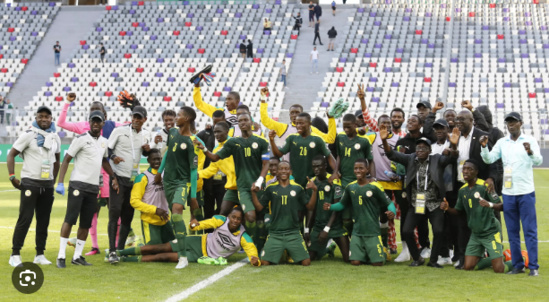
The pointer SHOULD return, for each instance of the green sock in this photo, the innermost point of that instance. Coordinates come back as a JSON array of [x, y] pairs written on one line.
[[261, 235], [180, 233], [131, 259], [508, 266], [251, 229], [483, 263], [130, 251], [385, 236]]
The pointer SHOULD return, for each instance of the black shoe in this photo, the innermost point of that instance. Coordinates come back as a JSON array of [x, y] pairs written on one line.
[[321, 44], [207, 69], [113, 258], [434, 264], [533, 273], [516, 271], [460, 266], [418, 262], [314, 44], [80, 261], [61, 263]]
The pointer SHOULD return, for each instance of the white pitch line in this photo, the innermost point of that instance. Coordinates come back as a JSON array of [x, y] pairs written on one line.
[[206, 282], [9, 191], [49, 231]]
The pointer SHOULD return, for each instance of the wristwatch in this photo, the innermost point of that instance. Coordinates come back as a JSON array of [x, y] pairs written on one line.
[[113, 156], [12, 177]]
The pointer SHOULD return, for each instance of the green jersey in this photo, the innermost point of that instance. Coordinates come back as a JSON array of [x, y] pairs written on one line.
[[302, 151], [349, 150], [248, 155], [326, 193], [480, 220], [367, 203], [283, 204], [181, 157]]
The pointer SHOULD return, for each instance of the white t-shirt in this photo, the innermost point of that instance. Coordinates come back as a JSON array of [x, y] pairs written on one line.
[[314, 54], [464, 148], [122, 147], [438, 149], [34, 157], [88, 153]]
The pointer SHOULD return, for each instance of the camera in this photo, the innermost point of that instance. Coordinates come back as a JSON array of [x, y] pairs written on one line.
[[27, 277]]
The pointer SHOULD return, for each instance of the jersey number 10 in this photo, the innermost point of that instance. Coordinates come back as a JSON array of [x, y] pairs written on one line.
[[247, 152]]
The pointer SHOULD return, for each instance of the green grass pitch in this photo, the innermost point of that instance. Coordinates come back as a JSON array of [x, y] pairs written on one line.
[[326, 280]]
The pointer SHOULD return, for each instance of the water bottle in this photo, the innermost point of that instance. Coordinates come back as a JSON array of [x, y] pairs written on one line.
[[390, 174]]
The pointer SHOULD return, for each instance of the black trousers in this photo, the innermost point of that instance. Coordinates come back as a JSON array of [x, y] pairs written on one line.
[[33, 199], [436, 218], [317, 36], [120, 207], [213, 196], [402, 204]]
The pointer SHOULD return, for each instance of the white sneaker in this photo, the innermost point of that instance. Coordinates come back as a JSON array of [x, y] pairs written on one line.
[[15, 260], [451, 253], [444, 260], [183, 263], [457, 263], [404, 254], [41, 259], [425, 253]]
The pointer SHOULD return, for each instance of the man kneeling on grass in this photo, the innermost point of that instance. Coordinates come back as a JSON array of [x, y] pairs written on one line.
[[284, 199], [367, 199], [228, 237]]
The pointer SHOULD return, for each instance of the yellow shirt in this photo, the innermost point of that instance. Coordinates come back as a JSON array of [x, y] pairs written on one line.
[[148, 211], [225, 165]]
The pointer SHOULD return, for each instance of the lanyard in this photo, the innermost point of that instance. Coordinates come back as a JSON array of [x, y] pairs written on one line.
[[426, 178]]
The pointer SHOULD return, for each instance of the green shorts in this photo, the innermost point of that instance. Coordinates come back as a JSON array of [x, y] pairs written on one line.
[[177, 194], [478, 245], [276, 244], [157, 234], [367, 249], [320, 249], [231, 195], [193, 246]]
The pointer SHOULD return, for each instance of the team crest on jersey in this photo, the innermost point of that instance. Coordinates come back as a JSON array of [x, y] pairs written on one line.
[[477, 194], [327, 188], [183, 146], [243, 207], [76, 193], [255, 145], [403, 194], [102, 145], [357, 146], [292, 192], [369, 194], [28, 193], [312, 145]]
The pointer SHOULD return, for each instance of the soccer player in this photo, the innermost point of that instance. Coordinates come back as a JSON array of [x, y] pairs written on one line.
[[126, 144], [251, 155], [180, 176], [284, 199], [90, 153], [227, 238], [283, 130], [161, 137], [223, 168], [485, 228], [235, 130], [303, 147], [273, 170], [231, 102], [81, 128], [367, 199], [326, 225], [39, 147]]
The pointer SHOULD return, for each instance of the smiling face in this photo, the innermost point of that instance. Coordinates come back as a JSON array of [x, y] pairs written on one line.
[[397, 119], [294, 112], [422, 151], [284, 171], [450, 117], [235, 220], [361, 170], [138, 121], [96, 125], [302, 125], [464, 121], [273, 166], [43, 119], [155, 159], [384, 121], [231, 101], [413, 124], [169, 121], [470, 172]]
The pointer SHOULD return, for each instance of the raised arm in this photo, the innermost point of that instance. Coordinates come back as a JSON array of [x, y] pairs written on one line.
[[370, 121], [269, 123], [79, 127], [206, 108]]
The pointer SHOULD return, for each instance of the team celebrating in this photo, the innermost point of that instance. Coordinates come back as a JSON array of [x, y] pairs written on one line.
[[285, 192]]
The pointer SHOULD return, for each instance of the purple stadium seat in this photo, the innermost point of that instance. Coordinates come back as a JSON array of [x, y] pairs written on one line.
[[267, 32], [260, 50], [501, 60], [132, 11], [51, 4], [99, 29], [375, 100], [242, 37], [370, 89], [342, 60], [325, 104], [364, 41], [377, 23], [406, 18], [546, 90], [543, 27], [428, 65], [74, 79], [13, 38], [485, 27], [227, 88], [85, 46], [378, 45], [114, 74], [505, 19], [114, 7], [523, 41], [373, 79], [443, 5], [47, 93], [255, 6], [408, 10], [160, 20], [478, 41], [133, 46], [190, 15], [545, 46], [189, 46], [400, 50], [360, 10], [160, 60], [34, 13], [525, 55], [452, 84], [186, 2], [387, 69], [427, 14], [506, 85], [199, 28], [171, 79], [66, 89], [395, 84], [219, 11], [424, 41], [129, 33], [458, 10], [372, 14], [142, 24], [145, 84], [367, 55], [71, 65], [158, 74], [62, 134], [49, 84], [17, 8], [289, 55], [154, 37], [268, 11], [278, 2], [478, 55], [528, 23], [431, 45], [538, 80], [34, 34], [238, 15], [9, 84], [146, 28], [505, 10], [500, 105], [388, 37], [527, 14], [454, 60], [134, 3]]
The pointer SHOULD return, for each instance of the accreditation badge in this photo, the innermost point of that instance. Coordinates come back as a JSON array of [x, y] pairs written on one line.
[[135, 172], [420, 203], [45, 169], [507, 177]]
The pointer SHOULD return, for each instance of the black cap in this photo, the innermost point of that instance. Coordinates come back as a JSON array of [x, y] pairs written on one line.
[[97, 114], [514, 116], [441, 122], [139, 110], [358, 113], [423, 140], [424, 103], [44, 108]]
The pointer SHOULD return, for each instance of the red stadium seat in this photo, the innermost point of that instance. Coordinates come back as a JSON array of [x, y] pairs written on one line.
[[11, 29], [4, 70], [24, 60], [492, 5], [24, 8], [167, 99], [262, 84], [1, 56], [141, 3], [109, 7], [217, 93], [191, 69], [122, 33], [93, 84], [140, 69], [419, 32], [532, 95], [201, 50], [471, 14], [427, 80], [188, 24], [176, 32], [501, 37], [59, 98], [340, 84], [354, 50], [293, 37], [127, 55], [536, 1], [373, 64], [224, 32], [135, 24], [257, 60], [339, 69], [108, 93], [82, 42], [56, 74], [448, 19], [398, 60]]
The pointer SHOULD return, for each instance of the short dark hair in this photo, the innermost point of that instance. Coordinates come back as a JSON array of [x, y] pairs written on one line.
[[243, 107], [154, 150], [168, 112], [190, 112], [223, 125], [298, 106], [285, 162], [235, 94], [364, 161], [218, 113], [319, 157], [305, 115], [382, 116], [237, 209], [274, 158], [398, 110], [473, 162], [349, 118], [418, 118]]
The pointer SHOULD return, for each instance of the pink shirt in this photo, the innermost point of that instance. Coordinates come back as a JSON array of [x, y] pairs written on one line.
[[78, 127]]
